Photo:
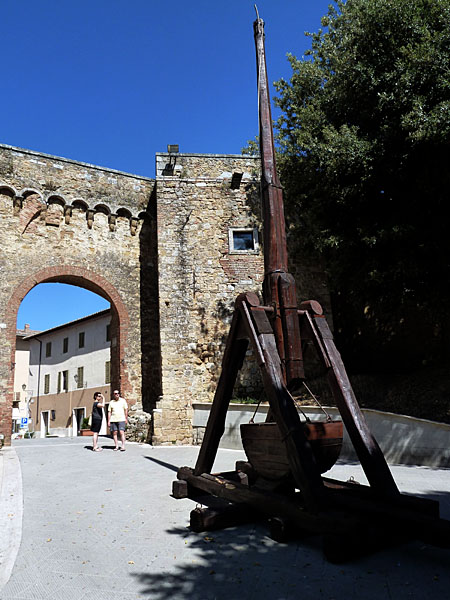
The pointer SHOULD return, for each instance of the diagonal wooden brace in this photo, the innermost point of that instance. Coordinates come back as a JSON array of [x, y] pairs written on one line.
[[372, 460]]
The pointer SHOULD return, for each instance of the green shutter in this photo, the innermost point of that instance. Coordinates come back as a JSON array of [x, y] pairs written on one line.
[[108, 371], [80, 378]]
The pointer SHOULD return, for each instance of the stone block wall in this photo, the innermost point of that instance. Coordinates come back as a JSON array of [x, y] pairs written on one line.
[[199, 277], [70, 222], [158, 250]]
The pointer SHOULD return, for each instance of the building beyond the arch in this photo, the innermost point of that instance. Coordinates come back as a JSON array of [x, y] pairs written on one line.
[[170, 254]]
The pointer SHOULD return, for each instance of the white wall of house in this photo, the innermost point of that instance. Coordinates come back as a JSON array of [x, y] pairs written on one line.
[[21, 389], [68, 357]]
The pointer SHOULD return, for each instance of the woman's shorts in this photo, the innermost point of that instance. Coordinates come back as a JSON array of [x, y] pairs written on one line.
[[117, 426]]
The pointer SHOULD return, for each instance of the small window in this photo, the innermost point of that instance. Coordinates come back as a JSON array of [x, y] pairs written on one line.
[[81, 339], [48, 349], [108, 371], [108, 333], [47, 383], [65, 345], [80, 377], [243, 241], [58, 389]]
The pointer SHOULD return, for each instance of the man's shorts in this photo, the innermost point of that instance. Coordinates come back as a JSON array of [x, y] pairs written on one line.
[[117, 426]]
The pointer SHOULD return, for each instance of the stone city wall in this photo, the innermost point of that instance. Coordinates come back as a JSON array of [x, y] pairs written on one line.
[[199, 276], [159, 251], [73, 223]]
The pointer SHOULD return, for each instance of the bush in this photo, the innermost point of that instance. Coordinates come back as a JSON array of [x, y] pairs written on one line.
[[244, 400]]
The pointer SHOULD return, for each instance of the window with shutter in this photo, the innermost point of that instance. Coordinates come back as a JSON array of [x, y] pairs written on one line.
[[108, 371], [47, 383], [80, 377]]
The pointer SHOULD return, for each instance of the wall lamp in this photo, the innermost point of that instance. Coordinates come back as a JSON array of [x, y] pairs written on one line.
[[173, 150]]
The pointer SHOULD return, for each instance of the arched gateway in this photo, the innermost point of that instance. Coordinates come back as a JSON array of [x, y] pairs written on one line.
[[119, 326], [169, 254], [62, 221]]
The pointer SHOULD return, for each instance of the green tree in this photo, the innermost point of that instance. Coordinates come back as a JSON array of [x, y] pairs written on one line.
[[364, 152]]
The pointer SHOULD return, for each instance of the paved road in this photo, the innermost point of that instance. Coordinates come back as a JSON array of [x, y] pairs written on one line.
[[100, 525]]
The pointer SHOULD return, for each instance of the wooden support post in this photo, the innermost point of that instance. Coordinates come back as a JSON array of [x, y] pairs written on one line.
[[272, 504], [210, 519], [180, 489], [300, 455], [293, 354]]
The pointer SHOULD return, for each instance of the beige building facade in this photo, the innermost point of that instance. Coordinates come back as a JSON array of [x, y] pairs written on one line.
[[21, 419], [67, 364]]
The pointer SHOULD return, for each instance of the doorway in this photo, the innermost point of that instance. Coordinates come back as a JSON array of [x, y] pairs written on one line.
[[40, 364], [78, 415], [45, 420]]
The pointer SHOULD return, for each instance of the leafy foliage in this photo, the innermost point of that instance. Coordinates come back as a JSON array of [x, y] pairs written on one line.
[[364, 142]]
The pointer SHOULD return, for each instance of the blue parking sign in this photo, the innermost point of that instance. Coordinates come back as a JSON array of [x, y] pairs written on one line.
[[24, 421]]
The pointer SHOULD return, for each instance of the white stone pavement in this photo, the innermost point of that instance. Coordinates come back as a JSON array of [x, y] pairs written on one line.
[[11, 509], [100, 525]]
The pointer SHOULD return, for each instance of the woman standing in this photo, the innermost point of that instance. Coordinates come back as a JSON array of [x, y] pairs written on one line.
[[97, 417]]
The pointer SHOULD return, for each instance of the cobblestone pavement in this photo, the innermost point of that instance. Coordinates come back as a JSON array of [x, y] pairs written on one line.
[[102, 525]]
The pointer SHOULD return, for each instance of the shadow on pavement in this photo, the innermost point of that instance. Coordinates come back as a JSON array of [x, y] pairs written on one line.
[[163, 464], [243, 563]]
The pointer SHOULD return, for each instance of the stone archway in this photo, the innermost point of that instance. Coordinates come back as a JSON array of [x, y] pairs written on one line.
[[81, 278], [69, 222], [163, 246]]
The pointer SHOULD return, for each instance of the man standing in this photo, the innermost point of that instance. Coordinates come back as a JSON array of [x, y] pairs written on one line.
[[118, 418]]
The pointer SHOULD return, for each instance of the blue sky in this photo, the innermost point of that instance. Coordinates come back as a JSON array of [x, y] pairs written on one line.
[[112, 82]]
